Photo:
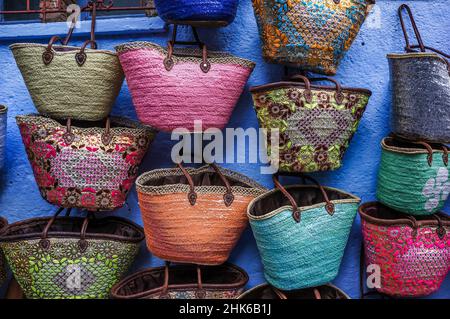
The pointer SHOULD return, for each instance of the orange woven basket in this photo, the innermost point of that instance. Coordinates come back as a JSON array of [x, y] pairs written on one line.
[[194, 215]]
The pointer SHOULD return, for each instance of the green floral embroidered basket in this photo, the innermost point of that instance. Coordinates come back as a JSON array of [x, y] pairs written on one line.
[[315, 122], [413, 176], [70, 257], [3, 224]]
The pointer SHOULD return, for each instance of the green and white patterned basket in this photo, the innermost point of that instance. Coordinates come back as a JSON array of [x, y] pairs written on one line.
[[413, 176], [70, 257]]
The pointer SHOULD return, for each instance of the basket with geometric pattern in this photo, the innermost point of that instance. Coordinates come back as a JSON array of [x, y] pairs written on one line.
[[90, 165], [315, 123], [70, 257]]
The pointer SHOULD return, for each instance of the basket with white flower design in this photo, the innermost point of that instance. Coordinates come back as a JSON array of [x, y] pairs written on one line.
[[413, 177]]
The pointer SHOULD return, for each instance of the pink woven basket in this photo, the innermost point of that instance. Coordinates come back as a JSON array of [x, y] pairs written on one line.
[[172, 88]]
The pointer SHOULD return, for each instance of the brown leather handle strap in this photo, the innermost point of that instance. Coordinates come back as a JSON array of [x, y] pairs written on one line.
[[440, 231], [415, 225], [48, 54], [81, 56], [301, 78], [107, 135], [338, 96], [279, 293], [445, 155], [228, 198], [414, 26], [200, 293], [192, 195], [317, 294], [424, 144], [329, 206]]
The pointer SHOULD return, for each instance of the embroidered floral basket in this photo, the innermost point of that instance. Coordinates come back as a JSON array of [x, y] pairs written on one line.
[[413, 176], [311, 35], [197, 12], [3, 224], [70, 82], [226, 281], [194, 215], [84, 165], [301, 232], [265, 291], [70, 257], [420, 81], [413, 252], [173, 88], [315, 123], [3, 123]]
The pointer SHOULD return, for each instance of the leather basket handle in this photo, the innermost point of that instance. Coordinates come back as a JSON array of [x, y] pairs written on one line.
[[69, 136], [305, 80], [205, 65], [199, 294], [338, 96], [283, 296], [48, 55], [329, 206]]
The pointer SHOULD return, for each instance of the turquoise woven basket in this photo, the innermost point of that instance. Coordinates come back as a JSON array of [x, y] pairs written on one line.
[[413, 177], [301, 232]]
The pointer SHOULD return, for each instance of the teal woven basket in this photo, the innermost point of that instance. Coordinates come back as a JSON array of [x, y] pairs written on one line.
[[413, 177], [301, 232]]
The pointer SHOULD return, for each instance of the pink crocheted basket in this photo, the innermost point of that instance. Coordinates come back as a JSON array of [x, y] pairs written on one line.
[[172, 88], [413, 252], [83, 164]]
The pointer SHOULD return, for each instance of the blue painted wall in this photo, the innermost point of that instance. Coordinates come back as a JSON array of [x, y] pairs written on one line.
[[364, 66]]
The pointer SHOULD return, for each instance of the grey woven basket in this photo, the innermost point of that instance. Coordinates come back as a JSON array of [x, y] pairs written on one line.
[[70, 82], [421, 90]]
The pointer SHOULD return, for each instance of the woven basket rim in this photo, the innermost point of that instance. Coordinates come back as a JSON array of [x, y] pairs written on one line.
[[265, 285], [398, 221], [210, 287], [416, 55], [353, 199], [215, 57], [314, 87], [125, 124], [3, 109], [254, 187], [4, 237], [406, 150], [73, 49]]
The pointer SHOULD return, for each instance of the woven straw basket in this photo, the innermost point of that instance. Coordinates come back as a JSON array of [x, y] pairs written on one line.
[[84, 165], [413, 252], [313, 35], [413, 177], [420, 80], [301, 232], [315, 123], [3, 124], [3, 224], [70, 257], [70, 82], [173, 88], [194, 215], [197, 12], [226, 281], [265, 291]]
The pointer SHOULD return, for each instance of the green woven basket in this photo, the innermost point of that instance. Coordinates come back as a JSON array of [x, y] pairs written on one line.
[[70, 82], [3, 224], [413, 177], [70, 257]]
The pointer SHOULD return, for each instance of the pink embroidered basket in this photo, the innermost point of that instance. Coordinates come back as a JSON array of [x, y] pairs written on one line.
[[90, 165], [172, 88], [413, 253]]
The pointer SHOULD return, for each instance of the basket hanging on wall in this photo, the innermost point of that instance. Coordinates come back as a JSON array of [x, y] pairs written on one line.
[[90, 165], [301, 232], [315, 123]]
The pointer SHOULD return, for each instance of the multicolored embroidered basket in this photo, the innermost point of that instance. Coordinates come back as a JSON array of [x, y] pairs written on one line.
[[174, 88], [313, 35], [301, 232], [420, 83], [3, 124], [226, 281], [70, 257], [315, 123], [70, 82], [413, 252], [3, 225], [197, 12], [413, 176], [84, 165], [265, 291], [194, 215]]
